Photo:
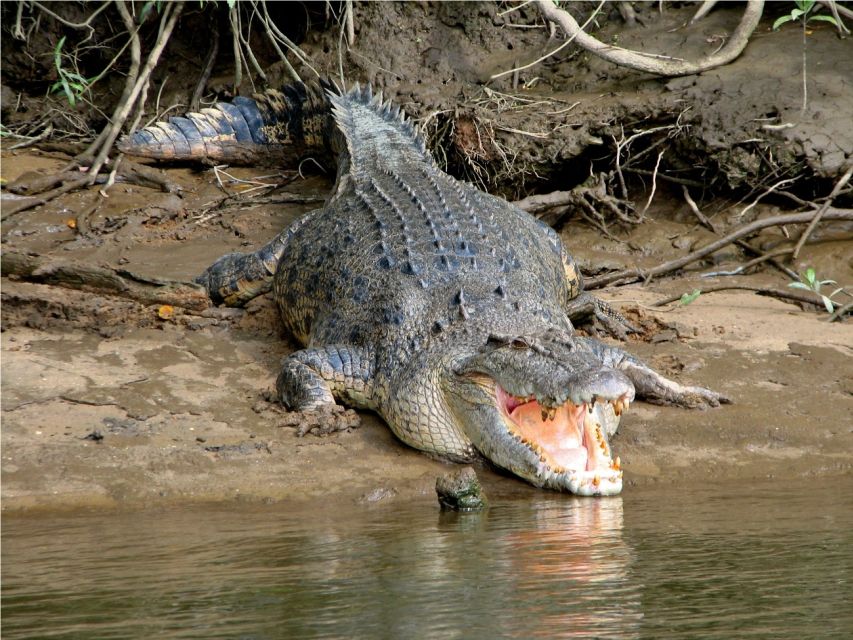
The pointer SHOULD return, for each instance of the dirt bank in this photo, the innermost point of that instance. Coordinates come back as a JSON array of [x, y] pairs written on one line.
[[107, 403], [112, 402]]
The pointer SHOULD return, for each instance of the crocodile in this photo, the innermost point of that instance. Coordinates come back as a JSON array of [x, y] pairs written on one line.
[[444, 309]]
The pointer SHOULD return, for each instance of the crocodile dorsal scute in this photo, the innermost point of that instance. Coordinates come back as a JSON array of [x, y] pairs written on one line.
[[374, 128]]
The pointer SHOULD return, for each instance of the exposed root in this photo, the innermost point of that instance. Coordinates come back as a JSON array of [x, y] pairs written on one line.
[[117, 282], [820, 212], [649, 63], [633, 275], [799, 297], [589, 199]]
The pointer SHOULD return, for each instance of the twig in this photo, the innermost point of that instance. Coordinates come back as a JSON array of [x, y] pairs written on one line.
[[167, 24], [632, 275], [794, 296], [75, 25], [203, 79], [840, 312], [663, 176], [654, 185], [695, 209], [29, 141], [765, 194], [817, 216], [555, 51], [350, 21], [235, 44], [44, 198], [642, 62], [704, 9], [755, 261]]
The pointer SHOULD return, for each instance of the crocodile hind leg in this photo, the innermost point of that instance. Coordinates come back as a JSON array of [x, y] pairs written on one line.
[[236, 278], [313, 378], [649, 384], [582, 304]]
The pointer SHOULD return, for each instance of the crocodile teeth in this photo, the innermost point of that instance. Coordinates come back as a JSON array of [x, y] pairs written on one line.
[[549, 413]]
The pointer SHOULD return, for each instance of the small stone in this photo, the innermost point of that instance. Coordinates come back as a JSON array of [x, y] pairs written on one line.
[[460, 490]]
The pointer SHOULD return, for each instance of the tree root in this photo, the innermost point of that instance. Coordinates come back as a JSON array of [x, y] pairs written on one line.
[[787, 296], [820, 212], [658, 65], [633, 275], [589, 198], [117, 282]]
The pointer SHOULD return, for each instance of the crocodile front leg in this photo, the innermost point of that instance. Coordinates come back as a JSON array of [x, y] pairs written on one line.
[[649, 384], [313, 378]]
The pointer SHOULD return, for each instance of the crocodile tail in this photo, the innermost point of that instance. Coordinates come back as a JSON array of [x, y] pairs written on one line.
[[275, 128]]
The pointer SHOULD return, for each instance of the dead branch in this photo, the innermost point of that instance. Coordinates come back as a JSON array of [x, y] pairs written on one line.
[[653, 63], [840, 312], [787, 296], [741, 243], [167, 24], [695, 209], [817, 216], [71, 275], [632, 275], [207, 69]]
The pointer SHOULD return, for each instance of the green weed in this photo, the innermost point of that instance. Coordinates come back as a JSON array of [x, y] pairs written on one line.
[[809, 282]]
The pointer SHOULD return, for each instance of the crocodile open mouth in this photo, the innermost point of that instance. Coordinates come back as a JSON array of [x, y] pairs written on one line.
[[568, 439]]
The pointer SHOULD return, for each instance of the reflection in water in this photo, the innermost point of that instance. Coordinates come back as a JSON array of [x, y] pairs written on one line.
[[677, 565]]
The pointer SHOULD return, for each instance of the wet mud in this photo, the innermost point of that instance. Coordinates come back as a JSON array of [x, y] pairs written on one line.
[[112, 401], [109, 402]]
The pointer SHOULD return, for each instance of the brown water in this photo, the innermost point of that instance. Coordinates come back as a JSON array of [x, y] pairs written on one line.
[[768, 561]]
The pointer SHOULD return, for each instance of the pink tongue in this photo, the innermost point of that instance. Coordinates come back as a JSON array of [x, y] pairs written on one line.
[[560, 439]]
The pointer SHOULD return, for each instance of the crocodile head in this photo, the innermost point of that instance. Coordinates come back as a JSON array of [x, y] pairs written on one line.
[[542, 407]]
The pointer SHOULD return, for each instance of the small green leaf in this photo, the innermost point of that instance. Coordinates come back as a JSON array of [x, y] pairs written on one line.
[[827, 303], [810, 275], [687, 298], [823, 18], [231, 3], [781, 21], [803, 6], [799, 285]]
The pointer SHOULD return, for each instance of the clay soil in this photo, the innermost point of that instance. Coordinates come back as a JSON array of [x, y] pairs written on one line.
[[111, 402]]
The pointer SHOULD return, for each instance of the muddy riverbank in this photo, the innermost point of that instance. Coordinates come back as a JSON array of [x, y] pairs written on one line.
[[112, 403]]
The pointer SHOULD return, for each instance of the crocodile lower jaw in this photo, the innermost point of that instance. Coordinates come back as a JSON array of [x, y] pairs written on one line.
[[569, 441]]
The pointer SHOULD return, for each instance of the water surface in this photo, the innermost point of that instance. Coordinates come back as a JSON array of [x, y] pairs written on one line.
[[768, 561]]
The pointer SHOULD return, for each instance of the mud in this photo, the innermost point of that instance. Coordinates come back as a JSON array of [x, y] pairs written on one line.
[[107, 403], [111, 402], [738, 126]]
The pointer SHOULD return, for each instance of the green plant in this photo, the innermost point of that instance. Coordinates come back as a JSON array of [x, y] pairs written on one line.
[[687, 298], [802, 11], [809, 282], [72, 84]]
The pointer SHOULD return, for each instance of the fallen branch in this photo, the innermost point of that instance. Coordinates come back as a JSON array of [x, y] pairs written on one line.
[[820, 212], [651, 63], [788, 296], [72, 275], [632, 275]]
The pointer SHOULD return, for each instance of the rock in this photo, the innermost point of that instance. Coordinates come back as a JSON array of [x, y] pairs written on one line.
[[460, 490]]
